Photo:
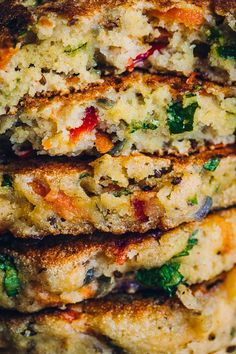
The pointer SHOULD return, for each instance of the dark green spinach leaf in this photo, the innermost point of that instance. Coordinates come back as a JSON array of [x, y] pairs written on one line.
[[11, 281], [180, 119], [166, 278], [227, 52], [6, 180]]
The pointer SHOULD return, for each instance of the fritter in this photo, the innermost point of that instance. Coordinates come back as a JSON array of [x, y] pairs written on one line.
[[130, 324], [133, 193], [146, 113], [54, 273], [57, 46]]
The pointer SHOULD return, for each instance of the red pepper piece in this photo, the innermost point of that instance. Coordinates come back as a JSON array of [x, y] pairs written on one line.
[[23, 153], [90, 121], [69, 315], [141, 57], [139, 209], [39, 188]]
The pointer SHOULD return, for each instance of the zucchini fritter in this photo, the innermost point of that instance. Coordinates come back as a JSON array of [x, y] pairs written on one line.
[[114, 194], [58, 272], [146, 113], [131, 324], [56, 46]]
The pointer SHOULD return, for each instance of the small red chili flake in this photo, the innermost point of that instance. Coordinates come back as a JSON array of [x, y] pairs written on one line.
[[90, 121], [69, 315], [141, 57], [139, 208], [23, 153]]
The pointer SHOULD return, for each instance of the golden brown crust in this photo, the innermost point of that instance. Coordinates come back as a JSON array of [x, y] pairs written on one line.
[[74, 8], [55, 252], [225, 7], [15, 18], [178, 85], [144, 323], [37, 189], [51, 252], [54, 167], [131, 306]]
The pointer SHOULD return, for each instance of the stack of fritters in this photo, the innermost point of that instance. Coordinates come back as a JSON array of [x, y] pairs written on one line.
[[117, 200]]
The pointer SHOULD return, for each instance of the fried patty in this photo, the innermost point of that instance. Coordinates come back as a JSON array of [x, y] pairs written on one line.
[[55, 273], [56, 46], [146, 113], [130, 324], [114, 194]]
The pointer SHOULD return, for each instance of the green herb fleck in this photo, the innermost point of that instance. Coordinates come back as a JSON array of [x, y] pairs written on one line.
[[121, 192], [227, 52], [166, 277], [74, 50], [192, 241], [143, 125], [213, 34], [6, 181], [193, 200], [179, 118], [84, 174], [212, 164], [11, 281]]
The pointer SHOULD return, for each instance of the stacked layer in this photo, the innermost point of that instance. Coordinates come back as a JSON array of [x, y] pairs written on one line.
[[57, 272], [106, 244], [55, 46], [138, 112], [131, 324]]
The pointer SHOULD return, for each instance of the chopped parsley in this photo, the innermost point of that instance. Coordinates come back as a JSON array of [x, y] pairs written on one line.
[[193, 200], [11, 281], [74, 50], [121, 192], [84, 174], [212, 164], [180, 117], [148, 124], [6, 181], [167, 277], [192, 241], [227, 52]]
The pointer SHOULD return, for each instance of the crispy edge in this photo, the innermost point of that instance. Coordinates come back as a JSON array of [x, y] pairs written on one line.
[[54, 252], [129, 305], [178, 86]]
